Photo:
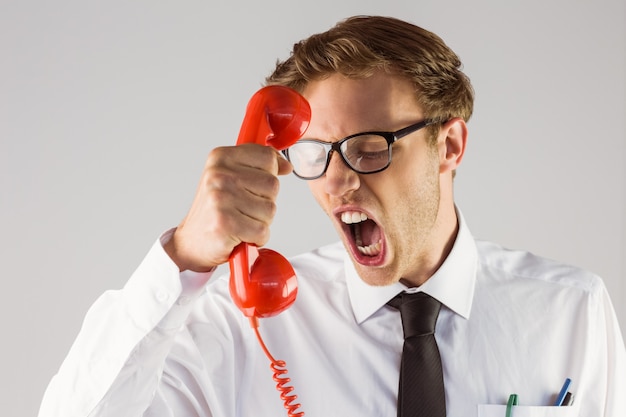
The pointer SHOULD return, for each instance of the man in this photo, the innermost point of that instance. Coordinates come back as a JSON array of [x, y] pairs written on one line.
[[172, 343]]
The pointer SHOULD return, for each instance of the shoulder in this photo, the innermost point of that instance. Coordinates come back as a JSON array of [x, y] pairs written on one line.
[[499, 264]]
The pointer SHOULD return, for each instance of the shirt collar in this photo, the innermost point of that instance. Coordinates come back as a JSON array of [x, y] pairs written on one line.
[[452, 284]]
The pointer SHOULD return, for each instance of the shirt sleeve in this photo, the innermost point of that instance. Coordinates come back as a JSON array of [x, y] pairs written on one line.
[[125, 338], [616, 361]]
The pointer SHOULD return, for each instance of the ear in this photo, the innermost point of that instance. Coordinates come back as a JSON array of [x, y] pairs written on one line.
[[452, 141]]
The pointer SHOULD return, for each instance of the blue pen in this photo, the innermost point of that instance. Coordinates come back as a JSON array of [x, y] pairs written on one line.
[[561, 397]]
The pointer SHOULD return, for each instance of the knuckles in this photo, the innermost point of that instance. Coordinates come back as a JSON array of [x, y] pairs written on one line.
[[258, 156]]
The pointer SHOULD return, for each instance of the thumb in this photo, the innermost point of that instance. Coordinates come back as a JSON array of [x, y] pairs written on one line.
[[284, 166]]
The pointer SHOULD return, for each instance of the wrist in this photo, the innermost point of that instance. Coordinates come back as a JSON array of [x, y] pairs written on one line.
[[174, 252]]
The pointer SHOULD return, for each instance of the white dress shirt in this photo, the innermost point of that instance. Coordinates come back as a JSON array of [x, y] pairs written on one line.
[[173, 344]]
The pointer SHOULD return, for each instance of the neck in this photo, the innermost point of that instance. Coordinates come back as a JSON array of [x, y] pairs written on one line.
[[445, 232]]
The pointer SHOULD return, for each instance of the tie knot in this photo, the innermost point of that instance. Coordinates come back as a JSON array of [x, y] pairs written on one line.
[[418, 311]]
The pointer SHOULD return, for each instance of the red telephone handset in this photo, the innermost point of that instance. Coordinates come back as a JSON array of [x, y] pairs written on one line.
[[262, 282]]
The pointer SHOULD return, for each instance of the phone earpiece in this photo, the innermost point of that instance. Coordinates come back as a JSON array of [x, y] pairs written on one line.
[[276, 116]]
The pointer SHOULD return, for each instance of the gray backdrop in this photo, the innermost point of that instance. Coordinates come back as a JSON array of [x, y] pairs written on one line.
[[108, 109]]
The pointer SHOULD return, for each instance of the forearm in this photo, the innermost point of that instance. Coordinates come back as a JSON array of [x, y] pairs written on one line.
[[124, 340]]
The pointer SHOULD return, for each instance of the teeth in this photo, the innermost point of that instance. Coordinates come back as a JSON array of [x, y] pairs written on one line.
[[354, 217], [371, 250], [351, 217]]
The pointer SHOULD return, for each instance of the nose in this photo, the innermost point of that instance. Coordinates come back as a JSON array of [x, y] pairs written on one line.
[[339, 178]]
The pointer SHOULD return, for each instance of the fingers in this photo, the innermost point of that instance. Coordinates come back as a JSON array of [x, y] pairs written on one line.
[[235, 202], [241, 203], [264, 158], [254, 172]]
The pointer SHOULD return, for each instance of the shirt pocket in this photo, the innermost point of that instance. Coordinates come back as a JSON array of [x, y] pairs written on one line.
[[491, 410]]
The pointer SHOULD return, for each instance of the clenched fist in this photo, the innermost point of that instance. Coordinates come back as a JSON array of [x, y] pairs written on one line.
[[234, 202]]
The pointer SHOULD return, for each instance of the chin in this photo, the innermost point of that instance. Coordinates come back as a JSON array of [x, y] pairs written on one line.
[[376, 277]]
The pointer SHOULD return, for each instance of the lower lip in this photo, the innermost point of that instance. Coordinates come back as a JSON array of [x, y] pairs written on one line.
[[372, 261]]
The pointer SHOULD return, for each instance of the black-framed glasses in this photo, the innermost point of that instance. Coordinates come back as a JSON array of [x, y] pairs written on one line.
[[365, 153]]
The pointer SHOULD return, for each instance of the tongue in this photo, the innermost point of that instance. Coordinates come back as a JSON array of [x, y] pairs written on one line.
[[370, 233]]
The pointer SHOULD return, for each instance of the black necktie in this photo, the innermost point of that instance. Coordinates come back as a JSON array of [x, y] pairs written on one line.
[[421, 392]]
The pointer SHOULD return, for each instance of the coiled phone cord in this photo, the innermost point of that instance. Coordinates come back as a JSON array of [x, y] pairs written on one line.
[[279, 367]]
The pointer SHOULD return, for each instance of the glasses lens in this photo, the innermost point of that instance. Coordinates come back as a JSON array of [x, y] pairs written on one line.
[[366, 153], [308, 158]]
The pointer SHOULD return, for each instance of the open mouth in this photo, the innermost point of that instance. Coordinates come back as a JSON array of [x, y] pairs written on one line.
[[366, 235]]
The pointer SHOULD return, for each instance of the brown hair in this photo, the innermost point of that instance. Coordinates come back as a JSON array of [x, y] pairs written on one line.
[[361, 45]]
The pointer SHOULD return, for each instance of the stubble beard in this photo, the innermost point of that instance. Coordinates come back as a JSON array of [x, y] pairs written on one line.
[[411, 241]]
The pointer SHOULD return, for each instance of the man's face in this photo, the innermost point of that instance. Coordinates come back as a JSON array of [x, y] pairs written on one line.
[[401, 204]]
